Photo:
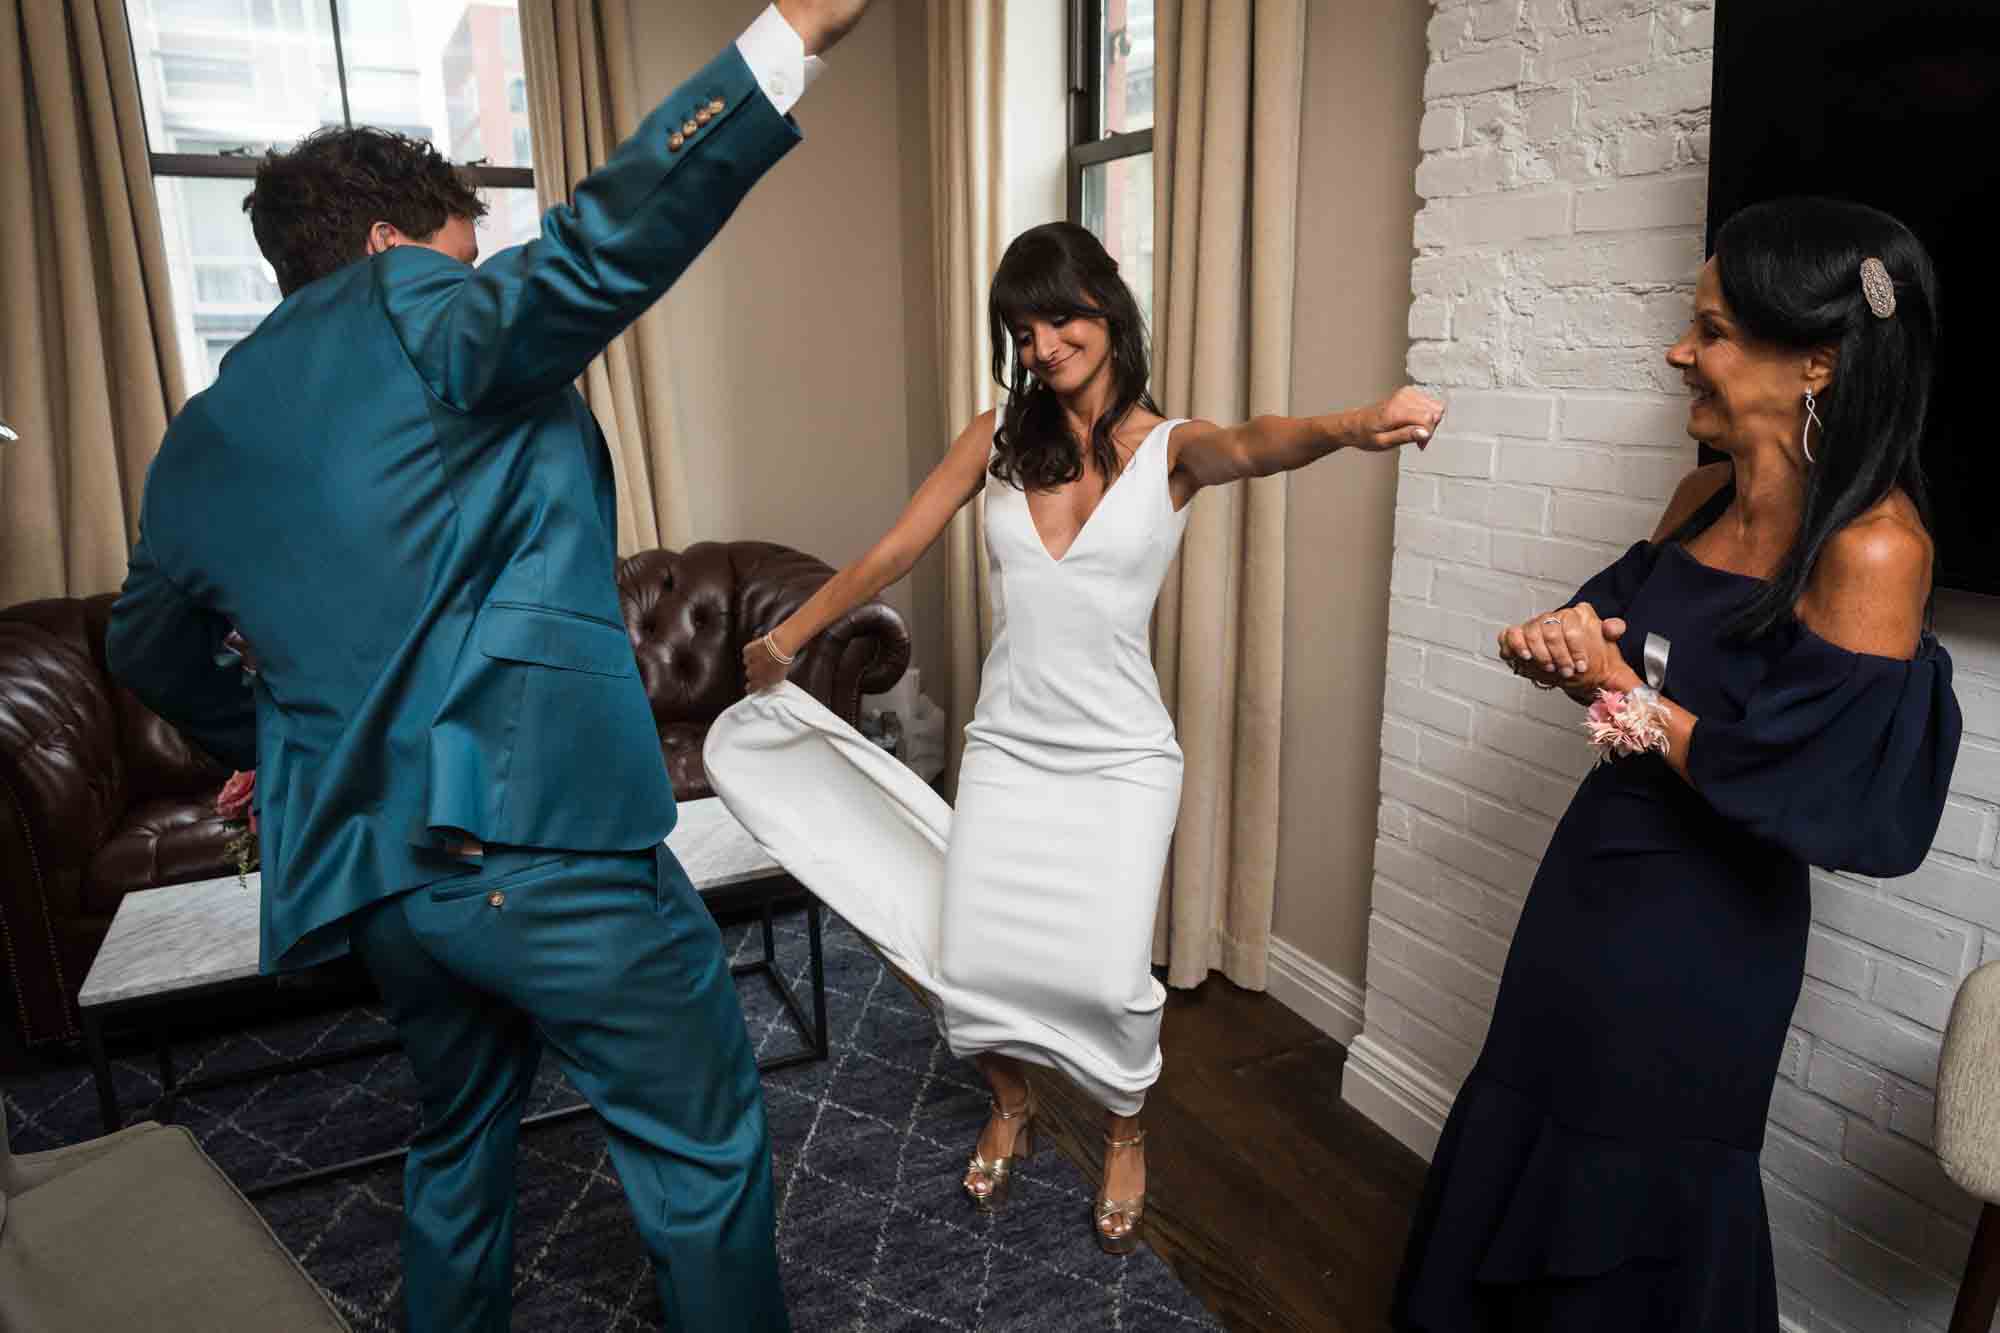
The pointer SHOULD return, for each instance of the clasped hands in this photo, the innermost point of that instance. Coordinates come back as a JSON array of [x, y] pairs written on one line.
[[1569, 649]]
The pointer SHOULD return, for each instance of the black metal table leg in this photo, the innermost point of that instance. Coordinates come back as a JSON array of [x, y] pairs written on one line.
[[165, 1054], [100, 1070], [165, 1104], [813, 945]]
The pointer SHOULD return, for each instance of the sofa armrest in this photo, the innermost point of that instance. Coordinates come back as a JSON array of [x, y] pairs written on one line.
[[864, 652], [61, 788], [37, 994]]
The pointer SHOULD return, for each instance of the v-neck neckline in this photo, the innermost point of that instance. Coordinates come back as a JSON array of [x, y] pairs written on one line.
[[1088, 519]]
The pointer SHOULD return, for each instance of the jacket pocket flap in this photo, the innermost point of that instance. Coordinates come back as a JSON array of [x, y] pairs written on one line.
[[557, 639]]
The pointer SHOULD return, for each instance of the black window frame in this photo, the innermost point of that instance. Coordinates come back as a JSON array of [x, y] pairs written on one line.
[[1089, 145], [241, 163]]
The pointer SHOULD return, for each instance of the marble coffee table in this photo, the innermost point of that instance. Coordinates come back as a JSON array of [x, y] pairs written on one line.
[[169, 945]]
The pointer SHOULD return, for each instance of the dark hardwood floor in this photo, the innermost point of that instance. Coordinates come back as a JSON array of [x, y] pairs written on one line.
[[1275, 1202]]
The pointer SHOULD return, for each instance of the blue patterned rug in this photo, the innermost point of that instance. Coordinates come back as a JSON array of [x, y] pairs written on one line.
[[873, 1232]]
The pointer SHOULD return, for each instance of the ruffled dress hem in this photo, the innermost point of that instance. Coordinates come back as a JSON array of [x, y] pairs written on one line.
[[1529, 1223]]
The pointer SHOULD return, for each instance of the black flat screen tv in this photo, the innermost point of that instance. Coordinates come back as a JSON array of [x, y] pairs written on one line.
[[1894, 103]]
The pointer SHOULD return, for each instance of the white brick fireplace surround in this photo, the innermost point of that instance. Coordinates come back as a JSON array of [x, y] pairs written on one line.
[[1565, 148]]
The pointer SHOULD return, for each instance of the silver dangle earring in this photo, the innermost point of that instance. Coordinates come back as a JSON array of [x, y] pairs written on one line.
[[1812, 419]]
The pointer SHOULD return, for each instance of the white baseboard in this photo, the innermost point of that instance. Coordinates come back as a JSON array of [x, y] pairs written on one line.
[[1395, 1094], [1315, 992]]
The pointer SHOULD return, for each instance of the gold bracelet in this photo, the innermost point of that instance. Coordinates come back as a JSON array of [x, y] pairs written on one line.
[[771, 647]]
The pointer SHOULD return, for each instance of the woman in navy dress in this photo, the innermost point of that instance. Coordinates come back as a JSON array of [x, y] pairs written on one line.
[[1599, 1168]]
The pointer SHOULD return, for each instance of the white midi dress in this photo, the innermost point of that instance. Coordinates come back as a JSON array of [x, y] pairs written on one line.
[[1027, 912]]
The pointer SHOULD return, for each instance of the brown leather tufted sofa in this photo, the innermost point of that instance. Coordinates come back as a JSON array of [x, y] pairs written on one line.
[[99, 797], [691, 612]]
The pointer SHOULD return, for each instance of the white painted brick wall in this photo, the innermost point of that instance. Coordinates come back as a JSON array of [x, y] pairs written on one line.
[[1563, 175]]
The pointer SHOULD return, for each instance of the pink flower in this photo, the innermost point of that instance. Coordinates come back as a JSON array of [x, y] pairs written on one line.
[[233, 801], [1620, 725]]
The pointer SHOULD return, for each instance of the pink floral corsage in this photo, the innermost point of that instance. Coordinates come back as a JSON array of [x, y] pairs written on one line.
[[1627, 723], [236, 803]]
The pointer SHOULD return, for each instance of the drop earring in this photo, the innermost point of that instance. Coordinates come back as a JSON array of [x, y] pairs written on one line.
[[1812, 419]]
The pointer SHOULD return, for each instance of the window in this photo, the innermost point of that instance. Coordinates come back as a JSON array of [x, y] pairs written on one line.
[[191, 78], [1111, 133], [223, 80]]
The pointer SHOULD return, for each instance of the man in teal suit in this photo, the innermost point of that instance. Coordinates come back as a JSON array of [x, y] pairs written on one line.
[[397, 496]]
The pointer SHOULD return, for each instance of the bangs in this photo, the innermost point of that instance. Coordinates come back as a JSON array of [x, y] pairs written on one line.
[[1025, 290]]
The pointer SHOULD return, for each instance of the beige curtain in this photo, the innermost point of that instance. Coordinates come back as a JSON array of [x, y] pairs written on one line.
[[89, 371], [967, 45], [1225, 183], [581, 104]]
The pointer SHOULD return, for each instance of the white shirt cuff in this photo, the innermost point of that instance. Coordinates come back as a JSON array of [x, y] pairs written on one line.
[[777, 59]]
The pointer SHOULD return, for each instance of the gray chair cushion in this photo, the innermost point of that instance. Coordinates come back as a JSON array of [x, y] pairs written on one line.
[[1968, 1087], [20, 1174], [140, 1230]]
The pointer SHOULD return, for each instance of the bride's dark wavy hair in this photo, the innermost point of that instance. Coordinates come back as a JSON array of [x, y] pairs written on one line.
[[1791, 273], [1060, 271]]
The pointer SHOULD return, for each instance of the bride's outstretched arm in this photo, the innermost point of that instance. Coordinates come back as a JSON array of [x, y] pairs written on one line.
[[956, 479], [1211, 455]]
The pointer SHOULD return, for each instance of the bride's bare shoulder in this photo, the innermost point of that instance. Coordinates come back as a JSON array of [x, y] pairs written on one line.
[[1137, 425]]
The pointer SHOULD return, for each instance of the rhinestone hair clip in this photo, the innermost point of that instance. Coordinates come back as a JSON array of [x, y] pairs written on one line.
[[1878, 288]]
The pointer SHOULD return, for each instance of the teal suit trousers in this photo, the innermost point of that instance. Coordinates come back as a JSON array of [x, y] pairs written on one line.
[[610, 962]]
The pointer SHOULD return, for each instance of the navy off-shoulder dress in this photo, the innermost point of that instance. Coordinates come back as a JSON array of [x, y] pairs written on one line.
[[1599, 1168]]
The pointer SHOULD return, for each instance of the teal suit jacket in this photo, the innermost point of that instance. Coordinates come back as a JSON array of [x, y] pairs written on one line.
[[397, 495]]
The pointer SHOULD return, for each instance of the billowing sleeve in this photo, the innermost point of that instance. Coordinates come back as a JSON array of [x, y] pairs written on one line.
[[1842, 758], [1611, 589]]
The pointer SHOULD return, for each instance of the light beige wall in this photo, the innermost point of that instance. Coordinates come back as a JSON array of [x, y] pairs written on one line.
[[1358, 155], [800, 338], [1035, 135]]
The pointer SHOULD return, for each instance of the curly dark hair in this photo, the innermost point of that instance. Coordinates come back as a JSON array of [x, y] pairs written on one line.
[[1060, 270], [312, 206]]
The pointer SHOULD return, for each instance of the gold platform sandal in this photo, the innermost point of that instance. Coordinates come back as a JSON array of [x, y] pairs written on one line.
[[998, 1174], [1126, 1240]]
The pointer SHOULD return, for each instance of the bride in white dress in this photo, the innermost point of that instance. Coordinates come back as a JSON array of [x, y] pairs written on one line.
[[1025, 915]]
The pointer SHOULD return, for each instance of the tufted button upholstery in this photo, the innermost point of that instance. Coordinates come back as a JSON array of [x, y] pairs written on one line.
[[691, 612], [163, 840], [678, 610], [100, 797], [159, 761]]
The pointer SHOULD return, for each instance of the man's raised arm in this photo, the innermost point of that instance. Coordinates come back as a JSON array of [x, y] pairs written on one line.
[[529, 319]]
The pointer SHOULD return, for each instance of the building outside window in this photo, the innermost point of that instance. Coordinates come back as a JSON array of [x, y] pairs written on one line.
[[224, 80], [1111, 133]]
